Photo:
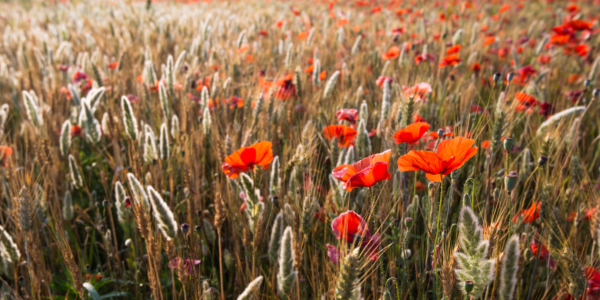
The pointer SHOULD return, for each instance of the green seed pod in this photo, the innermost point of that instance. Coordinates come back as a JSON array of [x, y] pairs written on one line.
[[510, 181]]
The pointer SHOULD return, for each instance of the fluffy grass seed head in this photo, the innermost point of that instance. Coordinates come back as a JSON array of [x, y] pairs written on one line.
[[163, 215]]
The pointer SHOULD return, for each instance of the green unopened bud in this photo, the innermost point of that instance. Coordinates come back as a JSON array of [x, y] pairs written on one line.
[[468, 286], [408, 222], [542, 160], [496, 194], [510, 181], [508, 144], [509, 77]]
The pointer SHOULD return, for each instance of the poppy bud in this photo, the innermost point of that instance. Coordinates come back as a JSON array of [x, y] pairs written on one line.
[[88, 268], [275, 200], [430, 185], [185, 228], [198, 229], [508, 144], [542, 160], [105, 203], [199, 213], [510, 181], [127, 243], [21, 280], [468, 286], [497, 77], [440, 132], [595, 93], [496, 194], [587, 83], [408, 222], [509, 77], [528, 254], [127, 202]]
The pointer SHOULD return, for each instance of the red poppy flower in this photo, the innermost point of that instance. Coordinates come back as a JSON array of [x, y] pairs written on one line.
[[351, 227], [235, 101], [587, 214], [285, 88], [411, 133], [453, 49], [79, 76], [578, 25], [244, 159], [392, 53], [113, 65], [96, 277], [381, 80], [449, 60], [526, 99], [582, 50], [451, 154], [476, 109], [364, 173], [343, 133], [5, 152], [544, 254], [348, 114], [75, 130], [419, 186], [530, 214]]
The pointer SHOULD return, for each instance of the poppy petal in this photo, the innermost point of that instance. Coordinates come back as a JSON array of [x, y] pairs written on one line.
[[420, 161], [369, 176]]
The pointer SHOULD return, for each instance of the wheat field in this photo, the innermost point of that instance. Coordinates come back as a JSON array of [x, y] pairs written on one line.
[[322, 149]]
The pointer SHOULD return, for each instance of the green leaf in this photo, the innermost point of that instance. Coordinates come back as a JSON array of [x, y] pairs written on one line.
[[90, 288]]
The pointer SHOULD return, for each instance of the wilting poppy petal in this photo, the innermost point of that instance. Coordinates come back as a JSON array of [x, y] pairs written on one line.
[[411, 133], [368, 176], [246, 158]]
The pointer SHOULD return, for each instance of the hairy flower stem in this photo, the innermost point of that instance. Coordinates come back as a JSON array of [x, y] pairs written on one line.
[[437, 234], [537, 259], [403, 256], [375, 226]]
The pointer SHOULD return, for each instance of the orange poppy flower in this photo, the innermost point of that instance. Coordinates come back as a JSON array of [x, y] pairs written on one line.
[[530, 214], [343, 133], [302, 35], [419, 186], [310, 69], [364, 173], [244, 159], [392, 53], [504, 8], [411, 133], [489, 40], [113, 65], [453, 49], [451, 154], [485, 144], [449, 60], [5, 152], [323, 75], [526, 99]]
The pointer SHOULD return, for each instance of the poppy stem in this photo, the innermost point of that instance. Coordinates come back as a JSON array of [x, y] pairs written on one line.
[[437, 279]]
